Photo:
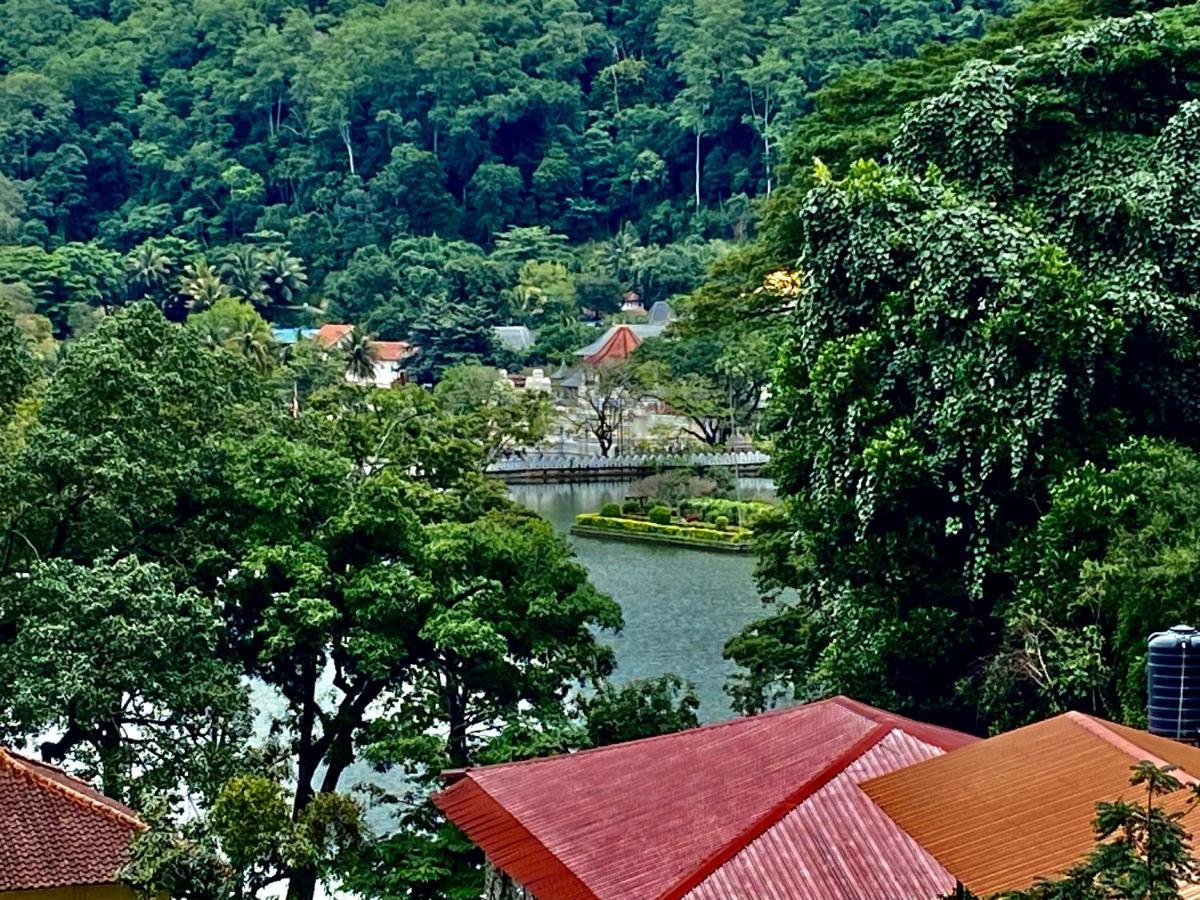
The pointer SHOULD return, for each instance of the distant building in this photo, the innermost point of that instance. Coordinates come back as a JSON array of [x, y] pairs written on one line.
[[514, 337], [333, 334], [292, 335], [766, 806], [632, 303], [389, 355], [59, 838], [661, 313], [617, 343]]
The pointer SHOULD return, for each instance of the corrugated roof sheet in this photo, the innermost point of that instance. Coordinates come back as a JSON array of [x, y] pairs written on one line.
[[663, 816], [56, 831], [837, 843], [515, 337], [1019, 806]]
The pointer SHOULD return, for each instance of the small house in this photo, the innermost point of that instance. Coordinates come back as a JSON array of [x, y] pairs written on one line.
[[59, 838]]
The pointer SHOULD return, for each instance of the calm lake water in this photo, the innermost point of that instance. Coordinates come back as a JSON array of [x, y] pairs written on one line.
[[680, 605]]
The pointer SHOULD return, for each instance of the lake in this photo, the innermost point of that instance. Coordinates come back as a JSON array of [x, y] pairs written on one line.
[[680, 605]]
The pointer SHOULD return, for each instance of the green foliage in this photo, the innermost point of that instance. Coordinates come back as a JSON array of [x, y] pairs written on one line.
[[659, 515], [610, 510], [640, 709], [958, 348], [287, 144], [631, 506], [721, 521], [686, 531]]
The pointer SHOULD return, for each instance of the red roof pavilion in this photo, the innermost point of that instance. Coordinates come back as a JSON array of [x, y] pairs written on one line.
[[761, 807], [56, 831]]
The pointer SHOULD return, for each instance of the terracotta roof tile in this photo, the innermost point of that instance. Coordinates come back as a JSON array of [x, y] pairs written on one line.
[[56, 831], [671, 815], [1008, 810], [332, 333], [391, 351]]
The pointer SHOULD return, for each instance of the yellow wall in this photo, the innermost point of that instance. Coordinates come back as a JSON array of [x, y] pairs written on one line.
[[95, 892]]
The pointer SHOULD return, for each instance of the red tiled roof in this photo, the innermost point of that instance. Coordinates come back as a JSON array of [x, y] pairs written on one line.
[[332, 333], [56, 831], [391, 351], [1021, 805], [620, 343], [695, 813]]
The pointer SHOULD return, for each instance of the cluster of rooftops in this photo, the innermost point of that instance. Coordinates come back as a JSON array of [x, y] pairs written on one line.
[[834, 800], [830, 801]]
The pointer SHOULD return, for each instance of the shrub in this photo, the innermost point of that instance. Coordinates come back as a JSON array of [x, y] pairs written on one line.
[[631, 507], [721, 522], [640, 526], [659, 515], [610, 511]]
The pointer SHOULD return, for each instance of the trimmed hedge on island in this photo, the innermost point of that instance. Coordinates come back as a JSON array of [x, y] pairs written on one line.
[[734, 538]]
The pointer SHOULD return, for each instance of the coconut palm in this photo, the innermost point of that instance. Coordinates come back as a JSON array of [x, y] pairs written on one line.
[[244, 271], [149, 269], [361, 354], [201, 287], [286, 279], [256, 347]]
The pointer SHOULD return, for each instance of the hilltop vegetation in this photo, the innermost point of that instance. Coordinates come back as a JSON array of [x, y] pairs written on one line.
[[363, 158]]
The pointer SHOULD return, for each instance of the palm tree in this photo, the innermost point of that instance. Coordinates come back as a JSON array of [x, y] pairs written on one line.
[[361, 354], [256, 347], [149, 268], [245, 273], [201, 287], [285, 277]]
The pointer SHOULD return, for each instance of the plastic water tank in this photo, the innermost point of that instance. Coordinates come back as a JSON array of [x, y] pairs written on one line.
[[1173, 683]]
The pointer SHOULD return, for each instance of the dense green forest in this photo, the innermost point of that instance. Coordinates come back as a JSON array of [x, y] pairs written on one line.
[[360, 160], [973, 286], [986, 419]]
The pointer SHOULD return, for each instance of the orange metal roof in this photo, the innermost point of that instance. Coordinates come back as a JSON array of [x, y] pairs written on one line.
[[709, 811], [1006, 811]]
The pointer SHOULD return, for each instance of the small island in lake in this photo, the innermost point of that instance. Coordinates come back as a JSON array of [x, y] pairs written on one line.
[[655, 515]]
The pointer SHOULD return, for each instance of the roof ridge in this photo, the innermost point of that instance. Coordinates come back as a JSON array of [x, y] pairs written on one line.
[[711, 726], [772, 816], [1100, 728], [23, 770], [929, 733]]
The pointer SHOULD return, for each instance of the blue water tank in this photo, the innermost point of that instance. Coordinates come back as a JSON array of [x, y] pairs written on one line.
[[1173, 683]]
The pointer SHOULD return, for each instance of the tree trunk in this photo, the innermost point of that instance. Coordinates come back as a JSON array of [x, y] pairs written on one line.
[[302, 885], [697, 168], [344, 130]]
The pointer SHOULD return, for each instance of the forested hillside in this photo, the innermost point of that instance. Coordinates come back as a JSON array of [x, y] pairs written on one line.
[[361, 159], [987, 422]]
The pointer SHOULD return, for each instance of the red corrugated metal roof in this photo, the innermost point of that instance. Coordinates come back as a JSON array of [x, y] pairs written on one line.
[[668, 815], [1021, 805], [55, 831], [836, 843]]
